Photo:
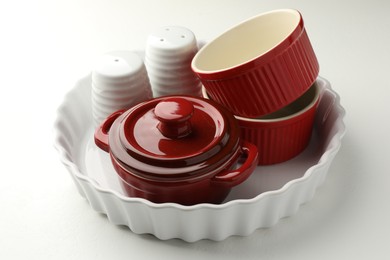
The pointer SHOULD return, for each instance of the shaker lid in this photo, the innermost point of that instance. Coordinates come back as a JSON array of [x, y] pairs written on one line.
[[116, 67], [175, 132]]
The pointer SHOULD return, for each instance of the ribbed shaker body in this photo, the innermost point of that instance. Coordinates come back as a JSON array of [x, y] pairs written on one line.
[[168, 55], [119, 81]]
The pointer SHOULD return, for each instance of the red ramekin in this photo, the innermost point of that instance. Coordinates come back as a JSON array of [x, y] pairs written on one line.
[[259, 65]]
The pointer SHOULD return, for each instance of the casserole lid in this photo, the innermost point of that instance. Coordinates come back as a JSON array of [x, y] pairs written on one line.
[[183, 134]]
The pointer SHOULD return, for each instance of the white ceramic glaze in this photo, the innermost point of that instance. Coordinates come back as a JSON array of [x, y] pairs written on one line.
[[119, 81], [168, 55], [271, 193]]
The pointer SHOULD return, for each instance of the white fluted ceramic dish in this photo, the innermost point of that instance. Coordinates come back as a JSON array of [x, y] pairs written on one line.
[[271, 193]]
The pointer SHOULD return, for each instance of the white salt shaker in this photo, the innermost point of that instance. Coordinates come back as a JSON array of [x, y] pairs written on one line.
[[119, 81], [168, 55]]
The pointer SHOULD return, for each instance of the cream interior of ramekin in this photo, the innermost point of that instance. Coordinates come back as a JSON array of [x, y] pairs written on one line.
[[246, 41], [294, 109], [298, 107]]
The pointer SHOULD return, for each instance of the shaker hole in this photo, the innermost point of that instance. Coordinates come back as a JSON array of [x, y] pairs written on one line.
[[183, 36], [161, 40]]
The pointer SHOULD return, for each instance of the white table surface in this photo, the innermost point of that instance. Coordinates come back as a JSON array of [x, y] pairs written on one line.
[[45, 46]]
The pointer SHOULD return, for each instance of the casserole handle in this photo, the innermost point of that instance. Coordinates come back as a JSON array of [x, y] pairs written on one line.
[[234, 177], [101, 133]]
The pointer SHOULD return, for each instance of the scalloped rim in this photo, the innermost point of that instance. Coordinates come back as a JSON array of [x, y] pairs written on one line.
[[331, 150]]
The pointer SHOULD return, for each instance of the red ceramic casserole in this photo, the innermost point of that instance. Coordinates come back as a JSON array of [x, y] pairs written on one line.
[[178, 149]]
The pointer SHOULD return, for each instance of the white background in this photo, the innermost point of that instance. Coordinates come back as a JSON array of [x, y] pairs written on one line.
[[46, 46]]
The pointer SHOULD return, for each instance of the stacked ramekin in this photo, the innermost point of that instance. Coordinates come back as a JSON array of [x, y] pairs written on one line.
[[264, 71]]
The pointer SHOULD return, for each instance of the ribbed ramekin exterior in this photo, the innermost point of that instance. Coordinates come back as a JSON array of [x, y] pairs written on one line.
[[279, 142], [268, 87]]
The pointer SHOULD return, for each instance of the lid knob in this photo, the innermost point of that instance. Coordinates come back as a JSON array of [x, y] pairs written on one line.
[[174, 114]]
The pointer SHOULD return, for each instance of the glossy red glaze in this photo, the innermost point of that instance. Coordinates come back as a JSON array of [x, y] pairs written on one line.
[[174, 115], [213, 187], [140, 136], [265, 83], [155, 165], [284, 134]]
